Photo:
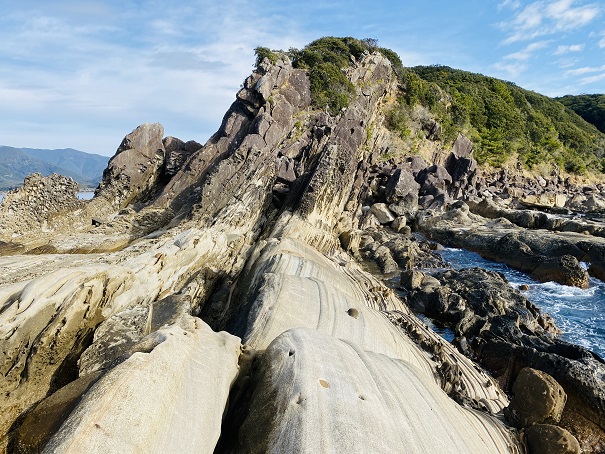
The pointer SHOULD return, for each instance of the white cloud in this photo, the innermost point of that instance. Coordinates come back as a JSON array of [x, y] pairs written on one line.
[[567, 62], [180, 66], [592, 79], [510, 70], [563, 49], [584, 70], [527, 52], [544, 17], [512, 4]]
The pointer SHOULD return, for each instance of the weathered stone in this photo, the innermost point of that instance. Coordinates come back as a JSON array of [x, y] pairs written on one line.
[[187, 375], [411, 279], [401, 185], [382, 213], [249, 233], [41, 422], [286, 170], [537, 399], [37, 204], [135, 168], [323, 375], [433, 180], [549, 439], [399, 224]]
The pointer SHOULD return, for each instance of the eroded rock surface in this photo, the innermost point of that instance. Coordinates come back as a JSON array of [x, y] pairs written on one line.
[[268, 231]]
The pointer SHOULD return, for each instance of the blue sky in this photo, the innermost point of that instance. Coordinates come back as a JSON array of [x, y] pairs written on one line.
[[83, 73]]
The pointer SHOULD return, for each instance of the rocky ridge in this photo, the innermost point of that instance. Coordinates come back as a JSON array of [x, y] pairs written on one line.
[[267, 232]]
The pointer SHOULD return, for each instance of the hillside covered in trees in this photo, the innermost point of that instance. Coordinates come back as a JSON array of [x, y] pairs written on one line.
[[505, 122], [590, 107]]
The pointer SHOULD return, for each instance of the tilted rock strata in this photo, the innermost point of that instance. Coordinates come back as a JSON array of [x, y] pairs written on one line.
[[173, 397], [369, 403], [246, 232]]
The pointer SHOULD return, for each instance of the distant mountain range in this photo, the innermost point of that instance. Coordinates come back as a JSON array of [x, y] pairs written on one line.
[[17, 163]]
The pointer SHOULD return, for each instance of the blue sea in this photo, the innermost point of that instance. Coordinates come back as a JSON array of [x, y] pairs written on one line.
[[579, 313]]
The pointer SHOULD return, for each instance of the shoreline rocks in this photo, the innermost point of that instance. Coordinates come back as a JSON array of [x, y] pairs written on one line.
[[279, 230]]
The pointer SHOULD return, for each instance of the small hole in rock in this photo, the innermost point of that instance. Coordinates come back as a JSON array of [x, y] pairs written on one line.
[[352, 130], [291, 353], [353, 312], [362, 398]]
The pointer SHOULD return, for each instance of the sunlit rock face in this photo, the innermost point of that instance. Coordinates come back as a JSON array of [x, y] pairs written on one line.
[[228, 297]]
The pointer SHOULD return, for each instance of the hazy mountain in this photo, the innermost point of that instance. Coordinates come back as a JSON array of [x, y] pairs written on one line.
[[17, 163]]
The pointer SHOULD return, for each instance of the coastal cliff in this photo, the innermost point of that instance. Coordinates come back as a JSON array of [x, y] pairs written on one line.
[[229, 297]]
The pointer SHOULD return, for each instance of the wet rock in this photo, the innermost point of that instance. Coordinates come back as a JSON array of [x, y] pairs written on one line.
[[565, 269]]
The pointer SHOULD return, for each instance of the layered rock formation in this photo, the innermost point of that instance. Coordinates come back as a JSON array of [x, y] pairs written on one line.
[[219, 298]]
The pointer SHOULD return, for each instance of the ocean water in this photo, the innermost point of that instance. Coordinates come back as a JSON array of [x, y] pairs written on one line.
[[579, 313], [84, 195]]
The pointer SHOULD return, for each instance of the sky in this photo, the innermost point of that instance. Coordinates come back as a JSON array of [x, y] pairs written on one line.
[[84, 73]]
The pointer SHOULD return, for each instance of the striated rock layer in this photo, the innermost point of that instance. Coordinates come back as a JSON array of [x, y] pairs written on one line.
[[106, 335]]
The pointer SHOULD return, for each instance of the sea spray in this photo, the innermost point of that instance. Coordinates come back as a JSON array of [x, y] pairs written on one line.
[[579, 313]]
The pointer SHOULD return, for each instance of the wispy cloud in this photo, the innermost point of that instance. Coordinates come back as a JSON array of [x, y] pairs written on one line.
[[542, 18], [129, 68], [527, 52], [513, 4], [510, 70], [584, 70], [566, 49], [592, 79]]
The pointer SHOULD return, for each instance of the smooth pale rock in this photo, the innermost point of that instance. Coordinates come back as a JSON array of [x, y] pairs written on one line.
[[295, 286], [169, 400], [537, 398], [319, 394], [55, 314], [382, 213]]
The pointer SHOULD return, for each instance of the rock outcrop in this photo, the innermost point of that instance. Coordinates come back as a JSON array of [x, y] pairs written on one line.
[[219, 297], [37, 204]]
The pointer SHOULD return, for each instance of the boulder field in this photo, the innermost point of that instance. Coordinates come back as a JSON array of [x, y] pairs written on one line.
[[237, 296]]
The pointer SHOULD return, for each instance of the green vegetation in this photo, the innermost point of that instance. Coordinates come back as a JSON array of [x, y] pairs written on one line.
[[325, 60], [503, 120], [590, 107], [264, 52]]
